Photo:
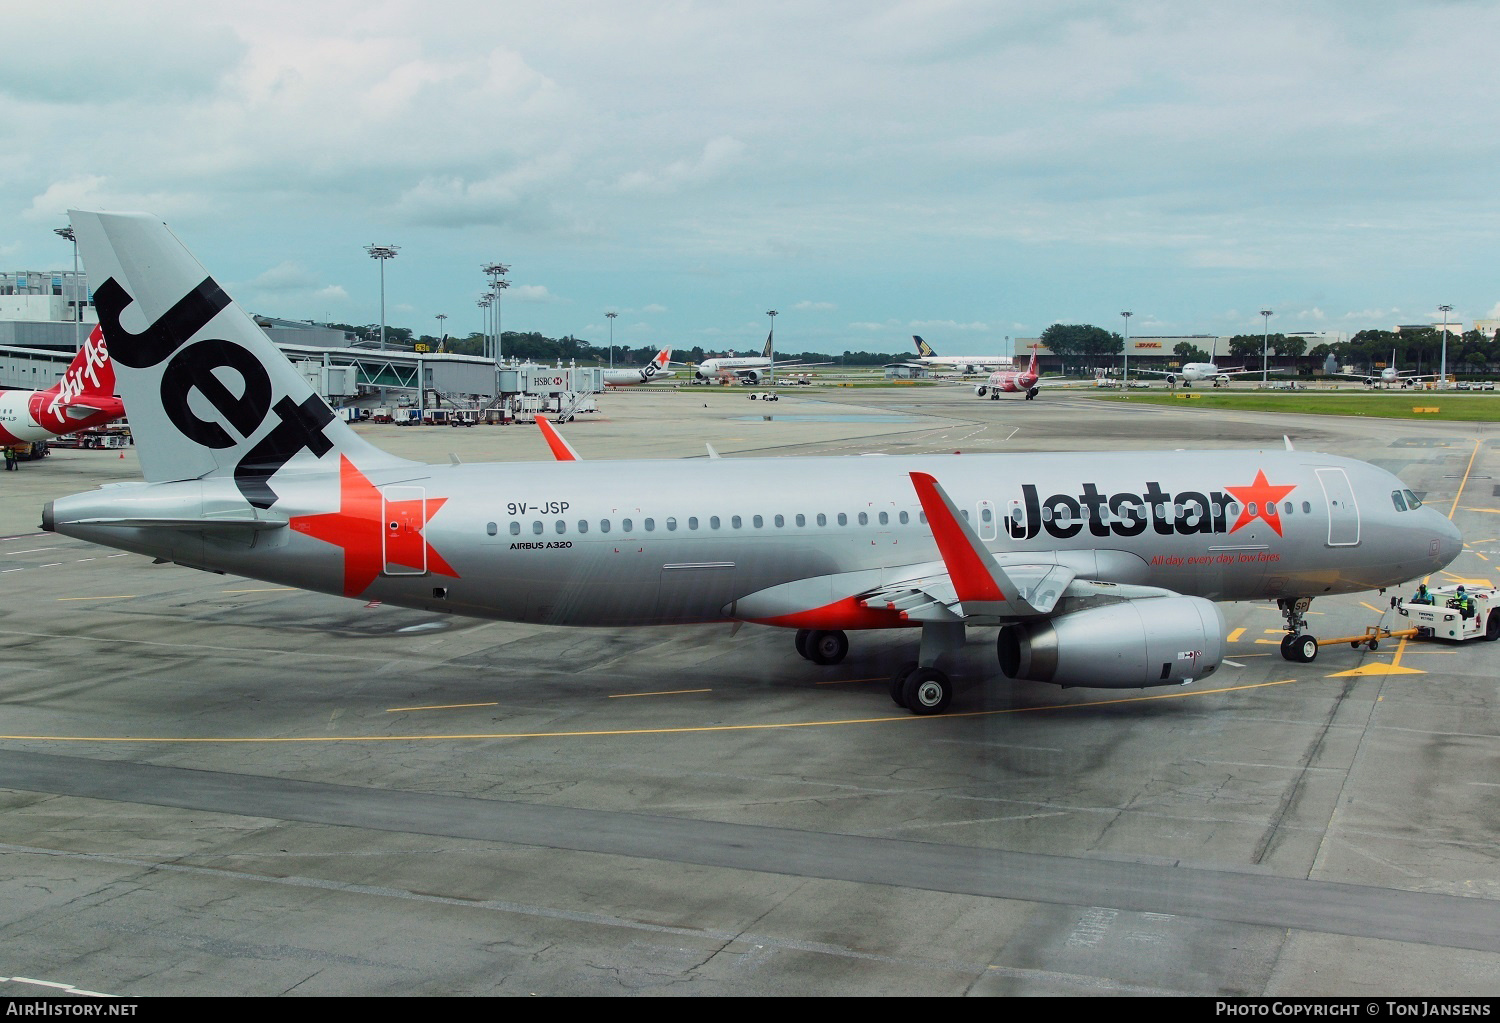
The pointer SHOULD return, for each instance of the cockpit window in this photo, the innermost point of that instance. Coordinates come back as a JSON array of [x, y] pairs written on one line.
[[1411, 499], [1398, 500]]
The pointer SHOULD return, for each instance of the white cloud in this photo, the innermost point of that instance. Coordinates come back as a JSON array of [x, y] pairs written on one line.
[[815, 306]]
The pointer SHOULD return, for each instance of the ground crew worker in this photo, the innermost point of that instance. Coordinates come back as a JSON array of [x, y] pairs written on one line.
[[1464, 603], [1422, 596], [12, 463]]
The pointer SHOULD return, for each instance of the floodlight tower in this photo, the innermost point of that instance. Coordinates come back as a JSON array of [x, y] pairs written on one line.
[[1265, 339], [67, 232], [381, 253], [771, 337], [611, 316], [484, 303], [496, 273], [1125, 373], [1444, 378], [440, 318]]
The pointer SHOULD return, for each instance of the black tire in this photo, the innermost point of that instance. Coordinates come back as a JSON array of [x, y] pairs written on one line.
[[1374, 644], [801, 642], [827, 647], [1286, 647], [898, 683], [1304, 649], [927, 691], [1492, 626]]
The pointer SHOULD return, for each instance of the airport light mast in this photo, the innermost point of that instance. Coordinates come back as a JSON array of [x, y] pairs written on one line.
[[496, 273], [1444, 377], [484, 303], [381, 253], [1125, 373], [1265, 339], [771, 337], [67, 232], [611, 317]]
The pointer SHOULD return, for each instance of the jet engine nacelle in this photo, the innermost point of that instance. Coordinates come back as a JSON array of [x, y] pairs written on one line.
[[1156, 641], [981, 390], [1171, 379], [750, 377]]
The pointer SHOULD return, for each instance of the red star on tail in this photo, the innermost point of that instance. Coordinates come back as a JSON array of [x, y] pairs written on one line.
[[363, 527], [1258, 495]]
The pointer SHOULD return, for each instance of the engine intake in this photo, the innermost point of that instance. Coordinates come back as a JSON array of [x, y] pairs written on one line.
[[1161, 641]]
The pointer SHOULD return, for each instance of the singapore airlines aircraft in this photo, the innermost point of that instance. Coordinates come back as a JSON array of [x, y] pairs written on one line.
[[1099, 570], [656, 369], [747, 369], [84, 397], [965, 364]]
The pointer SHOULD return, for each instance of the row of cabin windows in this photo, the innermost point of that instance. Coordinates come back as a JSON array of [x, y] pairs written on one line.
[[1404, 500], [715, 522]]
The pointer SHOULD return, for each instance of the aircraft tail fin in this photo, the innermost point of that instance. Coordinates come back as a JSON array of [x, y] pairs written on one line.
[[1031, 369], [207, 392], [923, 348], [766, 352], [85, 396]]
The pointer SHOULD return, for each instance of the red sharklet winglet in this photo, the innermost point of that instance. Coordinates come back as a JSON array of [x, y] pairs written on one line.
[[968, 564], [562, 451]]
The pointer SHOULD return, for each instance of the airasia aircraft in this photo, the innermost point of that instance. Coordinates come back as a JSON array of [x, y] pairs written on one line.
[[1096, 569], [84, 397], [1009, 381]]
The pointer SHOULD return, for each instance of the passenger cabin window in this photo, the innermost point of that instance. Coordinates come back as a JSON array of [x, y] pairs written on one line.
[[562, 527], [780, 521], [713, 522], [864, 520], [671, 524], [583, 526], [801, 519], [885, 519], [905, 518], [650, 525], [515, 529], [537, 527], [604, 525], [1306, 507], [843, 519], [491, 528], [822, 519], [692, 522]]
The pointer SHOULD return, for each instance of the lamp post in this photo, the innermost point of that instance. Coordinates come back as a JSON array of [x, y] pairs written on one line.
[[1265, 339], [1444, 377], [611, 318], [440, 318], [381, 253], [771, 341], [67, 232], [496, 273], [484, 303], [1125, 372]]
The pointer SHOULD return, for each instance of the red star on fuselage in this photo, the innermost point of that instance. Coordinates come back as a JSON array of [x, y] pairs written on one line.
[[374, 532], [1259, 495]]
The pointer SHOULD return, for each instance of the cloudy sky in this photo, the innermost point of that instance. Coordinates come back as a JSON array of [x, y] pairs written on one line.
[[969, 170]]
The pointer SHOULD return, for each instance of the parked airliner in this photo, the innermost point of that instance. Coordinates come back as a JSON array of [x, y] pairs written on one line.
[[967, 365], [656, 369], [83, 398], [1390, 376], [1098, 570], [745, 369]]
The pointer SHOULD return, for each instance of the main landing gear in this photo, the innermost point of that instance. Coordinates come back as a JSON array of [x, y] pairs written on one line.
[[1297, 645], [918, 686]]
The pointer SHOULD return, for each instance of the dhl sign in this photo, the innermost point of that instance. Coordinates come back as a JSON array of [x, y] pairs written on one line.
[[1147, 344]]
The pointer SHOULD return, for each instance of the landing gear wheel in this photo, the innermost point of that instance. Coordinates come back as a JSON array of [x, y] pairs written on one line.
[[927, 691], [827, 647], [801, 642], [1301, 648], [898, 683]]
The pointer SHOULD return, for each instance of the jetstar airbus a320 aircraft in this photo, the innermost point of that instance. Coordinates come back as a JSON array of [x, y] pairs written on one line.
[[84, 397], [1099, 570]]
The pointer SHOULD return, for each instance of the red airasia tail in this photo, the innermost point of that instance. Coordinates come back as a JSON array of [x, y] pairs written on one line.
[[1011, 381], [84, 397]]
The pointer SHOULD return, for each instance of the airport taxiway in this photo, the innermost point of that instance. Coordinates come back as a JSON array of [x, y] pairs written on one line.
[[213, 786]]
